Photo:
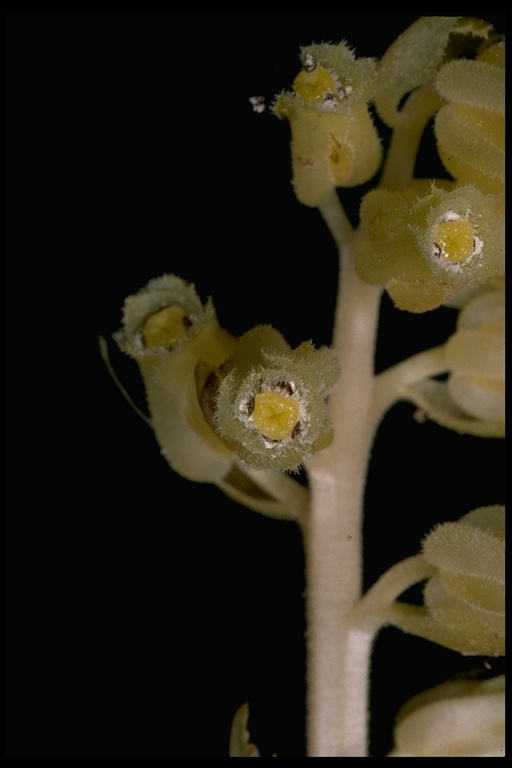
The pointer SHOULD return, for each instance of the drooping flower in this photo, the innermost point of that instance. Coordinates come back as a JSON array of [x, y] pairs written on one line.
[[411, 63], [472, 399], [470, 128], [464, 596]]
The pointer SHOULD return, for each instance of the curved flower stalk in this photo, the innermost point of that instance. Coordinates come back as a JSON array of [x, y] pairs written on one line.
[[470, 128], [267, 402], [464, 564], [459, 718], [472, 400], [427, 242], [334, 141], [174, 339]]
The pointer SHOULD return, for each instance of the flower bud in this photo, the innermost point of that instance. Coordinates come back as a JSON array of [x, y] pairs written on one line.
[[464, 596], [470, 129], [475, 355], [463, 563], [465, 599]]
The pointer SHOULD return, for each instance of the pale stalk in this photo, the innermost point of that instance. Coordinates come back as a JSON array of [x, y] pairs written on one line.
[[338, 655], [390, 385], [406, 137]]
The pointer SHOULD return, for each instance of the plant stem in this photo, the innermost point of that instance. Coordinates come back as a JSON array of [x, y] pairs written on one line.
[[338, 655], [390, 384], [403, 149]]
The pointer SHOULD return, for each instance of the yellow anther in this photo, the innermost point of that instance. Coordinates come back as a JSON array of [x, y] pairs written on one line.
[[165, 328], [274, 415], [314, 84], [455, 238]]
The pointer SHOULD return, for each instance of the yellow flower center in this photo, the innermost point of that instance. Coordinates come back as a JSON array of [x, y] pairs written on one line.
[[274, 415], [455, 239], [312, 85], [165, 328]]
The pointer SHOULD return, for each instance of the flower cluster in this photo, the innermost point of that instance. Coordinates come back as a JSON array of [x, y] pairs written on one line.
[[243, 412], [427, 239], [215, 399]]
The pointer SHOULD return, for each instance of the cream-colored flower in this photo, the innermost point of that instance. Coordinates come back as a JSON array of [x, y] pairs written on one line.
[[470, 128], [463, 563], [461, 718], [268, 402], [334, 142], [179, 347], [428, 241], [168, 331], [414, 58], [472, 400]]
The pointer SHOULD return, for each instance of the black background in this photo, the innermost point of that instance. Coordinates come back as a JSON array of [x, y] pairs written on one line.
[[142, 609]]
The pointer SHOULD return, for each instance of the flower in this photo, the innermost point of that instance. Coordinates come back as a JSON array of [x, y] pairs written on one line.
[[267, 402], [195, 373], [459, 718], [411, 63], [168, 331], [470, 128], [464, 596], [334, 141], [472, 399], [426, 242]]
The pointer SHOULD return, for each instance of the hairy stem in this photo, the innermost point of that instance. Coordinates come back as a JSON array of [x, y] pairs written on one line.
[[338, 657]]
